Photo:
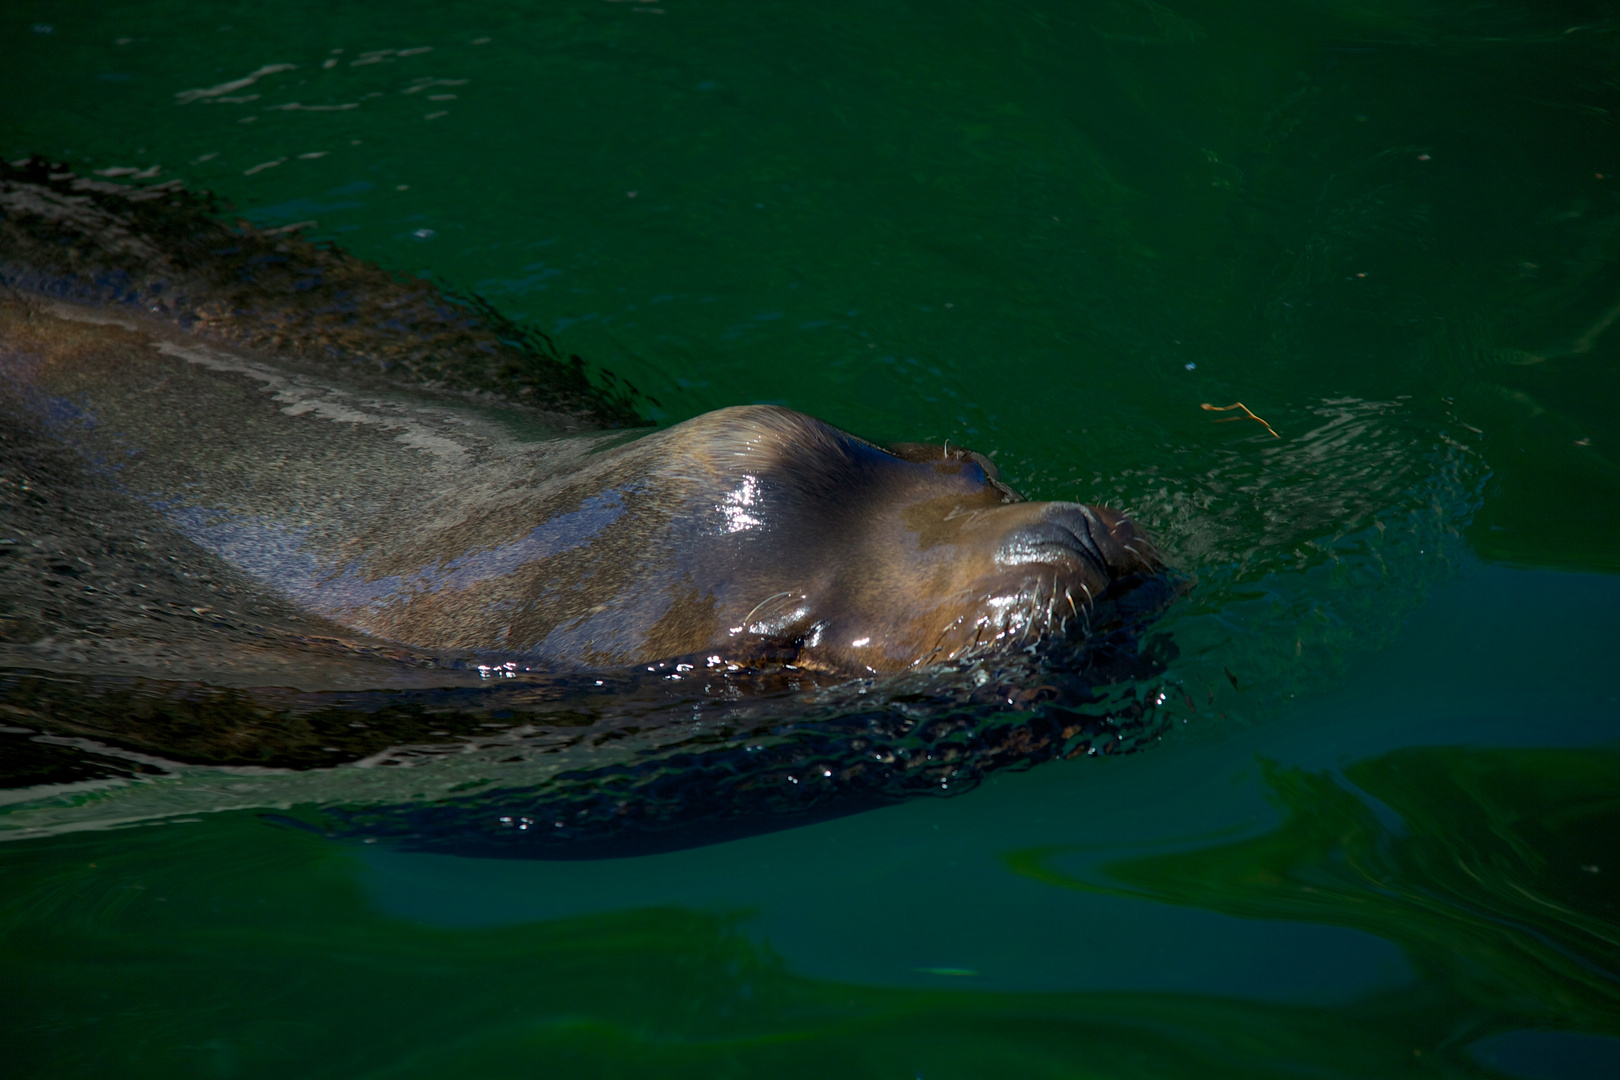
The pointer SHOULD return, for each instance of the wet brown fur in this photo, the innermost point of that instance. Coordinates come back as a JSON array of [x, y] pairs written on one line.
[[381, 455], [746, 532]]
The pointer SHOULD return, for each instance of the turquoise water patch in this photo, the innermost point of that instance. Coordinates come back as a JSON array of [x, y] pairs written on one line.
[[1551, 1055]]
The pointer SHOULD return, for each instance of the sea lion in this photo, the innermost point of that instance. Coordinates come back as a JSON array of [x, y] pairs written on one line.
[[263, 504], [305, 418], [750, 534]]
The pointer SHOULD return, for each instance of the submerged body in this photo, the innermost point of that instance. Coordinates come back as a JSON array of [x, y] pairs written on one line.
[[751, 533]]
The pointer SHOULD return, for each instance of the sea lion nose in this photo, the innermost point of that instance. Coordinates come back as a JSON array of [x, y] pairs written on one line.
[[1065, 532], [1101, 540]]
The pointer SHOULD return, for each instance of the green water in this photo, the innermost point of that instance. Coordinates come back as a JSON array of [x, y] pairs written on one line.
[[1386, 839]]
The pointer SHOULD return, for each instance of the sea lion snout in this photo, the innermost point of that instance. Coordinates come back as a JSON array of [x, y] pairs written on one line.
[[1093, 543], [1112, 544], [1007, 575], [1064, 535]]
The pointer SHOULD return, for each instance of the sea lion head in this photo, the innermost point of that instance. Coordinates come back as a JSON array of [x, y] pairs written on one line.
[[848, 557]]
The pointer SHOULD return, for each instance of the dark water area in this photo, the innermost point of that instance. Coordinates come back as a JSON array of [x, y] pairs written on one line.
[[1375, 830]]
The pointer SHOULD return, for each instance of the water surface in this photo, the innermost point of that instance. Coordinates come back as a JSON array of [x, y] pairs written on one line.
[[1380, 838]]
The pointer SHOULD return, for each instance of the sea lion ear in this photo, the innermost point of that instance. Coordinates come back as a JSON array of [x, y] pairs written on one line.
[[934, 453], [993, 475]]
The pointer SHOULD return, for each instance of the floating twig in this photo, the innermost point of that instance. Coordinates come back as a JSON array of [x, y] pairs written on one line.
[[1246, 415]]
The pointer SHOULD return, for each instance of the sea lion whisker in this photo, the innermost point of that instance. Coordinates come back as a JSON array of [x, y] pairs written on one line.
[[762, 603], [1032, 615]]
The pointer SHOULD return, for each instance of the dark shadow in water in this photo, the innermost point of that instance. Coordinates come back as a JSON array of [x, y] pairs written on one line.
[[690, 757]]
